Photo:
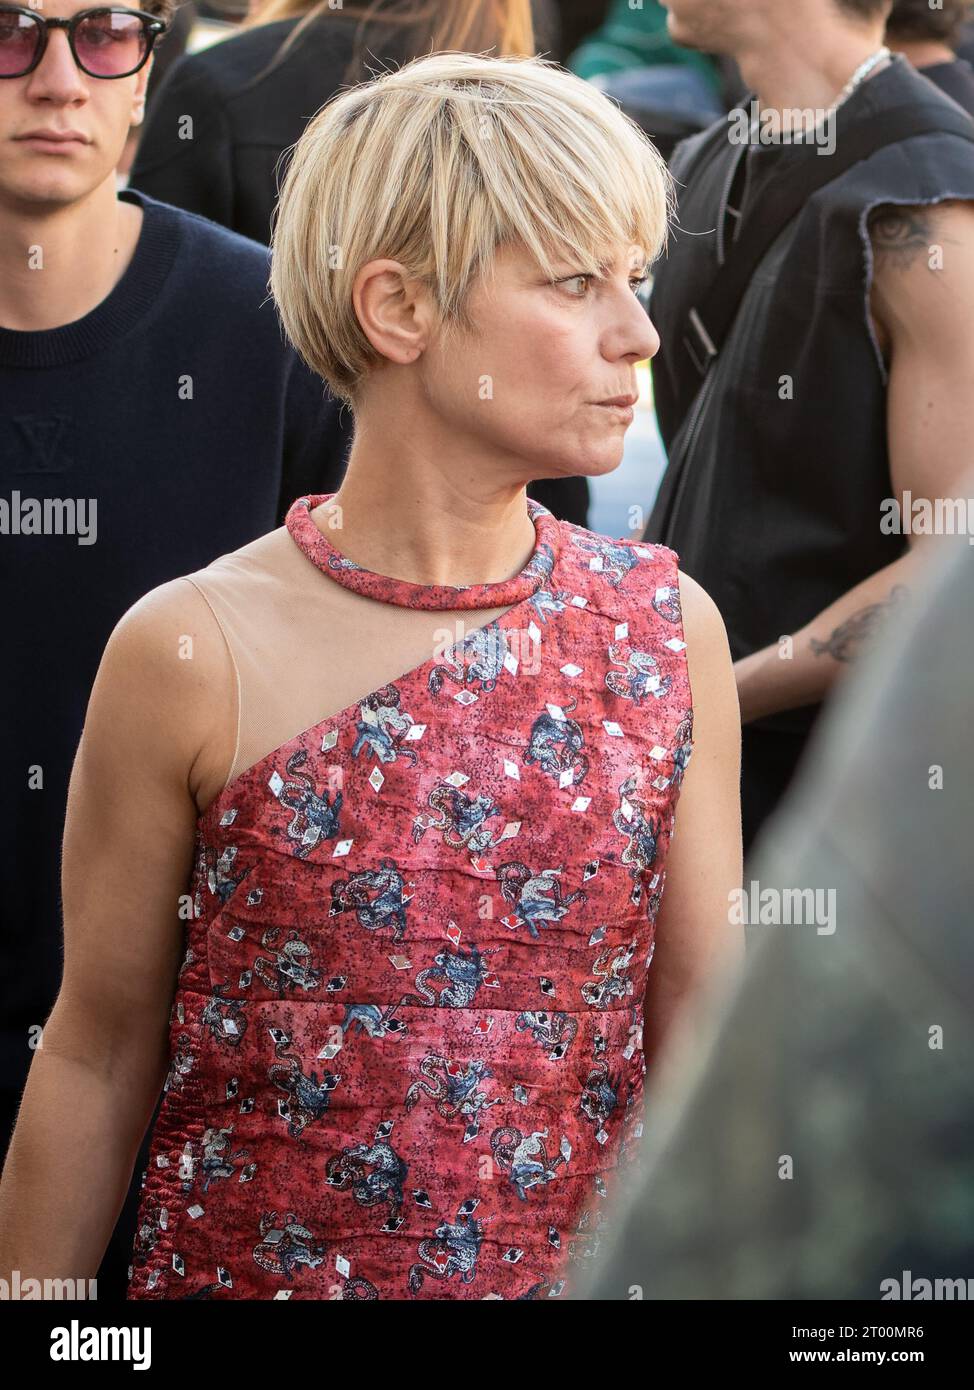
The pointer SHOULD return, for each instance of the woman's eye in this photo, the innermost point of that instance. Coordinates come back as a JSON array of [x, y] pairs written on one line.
[[636, 283], [578, 280]]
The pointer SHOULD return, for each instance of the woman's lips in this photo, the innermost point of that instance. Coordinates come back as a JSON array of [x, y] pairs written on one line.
[[623, 412]]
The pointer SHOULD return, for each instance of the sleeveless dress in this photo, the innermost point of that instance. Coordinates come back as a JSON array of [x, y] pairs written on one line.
[[406, 1038]]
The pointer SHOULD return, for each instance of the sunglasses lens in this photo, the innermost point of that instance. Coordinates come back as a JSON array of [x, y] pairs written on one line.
[[110, 45], [19, 37]]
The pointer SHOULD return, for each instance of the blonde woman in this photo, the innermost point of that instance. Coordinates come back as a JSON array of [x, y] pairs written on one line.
[[218, 132], [371, 820]]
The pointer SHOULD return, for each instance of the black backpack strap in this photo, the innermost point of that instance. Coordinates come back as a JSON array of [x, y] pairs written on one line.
[[709, 322]]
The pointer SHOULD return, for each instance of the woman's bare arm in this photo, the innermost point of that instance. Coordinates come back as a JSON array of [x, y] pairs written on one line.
[[695, 940], [154, 717]]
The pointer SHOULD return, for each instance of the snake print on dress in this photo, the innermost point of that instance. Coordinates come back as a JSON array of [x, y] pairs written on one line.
[[406, 1054]]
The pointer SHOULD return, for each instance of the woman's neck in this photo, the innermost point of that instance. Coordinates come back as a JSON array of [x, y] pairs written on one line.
[[431, 526]]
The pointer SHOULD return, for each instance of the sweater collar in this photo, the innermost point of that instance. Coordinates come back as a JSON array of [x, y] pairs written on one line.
[[123, 307]]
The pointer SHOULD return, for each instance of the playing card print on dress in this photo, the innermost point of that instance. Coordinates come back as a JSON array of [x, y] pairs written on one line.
[[406, 1039]]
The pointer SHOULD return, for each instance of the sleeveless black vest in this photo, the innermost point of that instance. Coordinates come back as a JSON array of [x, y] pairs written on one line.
[[776, 473]]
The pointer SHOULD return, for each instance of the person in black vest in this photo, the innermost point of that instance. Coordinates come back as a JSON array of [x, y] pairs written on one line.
[[843, 382], [928, 37], [124, 429]]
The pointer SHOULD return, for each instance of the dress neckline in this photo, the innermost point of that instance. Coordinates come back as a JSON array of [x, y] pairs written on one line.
[[407, 594]]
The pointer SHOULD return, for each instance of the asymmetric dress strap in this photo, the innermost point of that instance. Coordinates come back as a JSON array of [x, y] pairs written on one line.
[[271, 602]]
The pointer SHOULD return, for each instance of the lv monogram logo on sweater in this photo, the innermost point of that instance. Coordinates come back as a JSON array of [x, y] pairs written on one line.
[[42, 436]]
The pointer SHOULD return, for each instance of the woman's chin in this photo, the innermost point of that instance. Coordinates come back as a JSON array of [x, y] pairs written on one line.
[[595, 462], [603, 460]]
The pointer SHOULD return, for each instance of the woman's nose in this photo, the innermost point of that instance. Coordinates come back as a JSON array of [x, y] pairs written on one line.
[[652, 338]]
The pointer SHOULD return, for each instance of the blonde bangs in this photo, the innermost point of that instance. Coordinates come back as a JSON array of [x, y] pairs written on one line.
[[438, 164]]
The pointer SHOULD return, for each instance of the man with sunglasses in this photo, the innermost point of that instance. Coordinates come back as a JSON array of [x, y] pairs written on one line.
[[144, 379]]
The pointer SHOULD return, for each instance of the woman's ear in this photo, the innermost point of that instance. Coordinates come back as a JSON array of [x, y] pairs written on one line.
[[394, 310]]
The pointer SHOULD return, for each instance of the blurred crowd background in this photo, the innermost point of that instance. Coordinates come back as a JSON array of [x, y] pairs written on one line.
[[824, 1046]]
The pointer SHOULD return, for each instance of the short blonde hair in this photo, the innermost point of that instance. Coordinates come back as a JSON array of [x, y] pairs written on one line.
[[436, 165]]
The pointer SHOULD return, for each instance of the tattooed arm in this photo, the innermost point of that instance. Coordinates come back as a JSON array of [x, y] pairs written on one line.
[[802, 667], [922, 306]]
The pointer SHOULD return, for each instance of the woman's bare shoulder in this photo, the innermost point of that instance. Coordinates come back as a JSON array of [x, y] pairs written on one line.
[[709, 663], [168, 633], [166, 659], [701, 619]]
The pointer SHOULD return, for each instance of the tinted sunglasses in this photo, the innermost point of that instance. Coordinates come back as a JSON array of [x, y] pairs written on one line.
[[106, 42]]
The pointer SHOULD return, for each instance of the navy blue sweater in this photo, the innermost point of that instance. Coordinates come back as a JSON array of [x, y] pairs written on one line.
[[177, 406]]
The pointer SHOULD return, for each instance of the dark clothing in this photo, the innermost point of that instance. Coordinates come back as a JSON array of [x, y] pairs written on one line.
[[245, 114], [244, 117], [956, 79], [776, 474], [173, 46], [830, 1050], [135, 406], [578, 19], [565, 498], [247, 110]]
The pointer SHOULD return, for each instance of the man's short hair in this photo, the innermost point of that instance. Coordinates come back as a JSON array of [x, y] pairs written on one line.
[[864, 9], [161, 9], [916, 20], [436, 165]]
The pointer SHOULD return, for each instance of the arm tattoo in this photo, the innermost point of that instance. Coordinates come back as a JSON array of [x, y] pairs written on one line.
[[900, 235], [846, 639]]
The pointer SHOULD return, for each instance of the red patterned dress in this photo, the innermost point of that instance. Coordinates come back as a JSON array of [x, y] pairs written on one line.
[[406, 1039]]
